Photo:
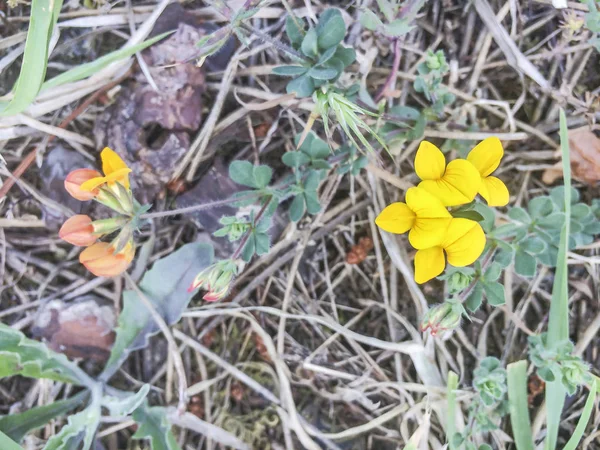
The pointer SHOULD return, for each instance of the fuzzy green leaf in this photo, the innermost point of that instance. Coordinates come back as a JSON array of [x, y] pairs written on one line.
[[519, 214], [323, 73], [154, 426], [331, 28], [525, 264], [309, 43], [295, 159], [494, 293], [166, 286], [242, 172], [124, 406], [370, 21], [303, 86], [533, 245], [262, 176], [294, 32], [297, 208], [540, 207], [289, 71], [475, 298], [81, 426]]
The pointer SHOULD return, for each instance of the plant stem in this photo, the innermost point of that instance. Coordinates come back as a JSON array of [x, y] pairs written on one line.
[[194, 208], [240, 247], [275, 43]]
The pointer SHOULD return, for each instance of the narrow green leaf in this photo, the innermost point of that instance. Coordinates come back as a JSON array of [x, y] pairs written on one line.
[[80, 425], [323, 73], [517, 402], [558, 323], [44, 14], [583, 419], [17, 426], [289, 71], [7, 443], [85, 70]]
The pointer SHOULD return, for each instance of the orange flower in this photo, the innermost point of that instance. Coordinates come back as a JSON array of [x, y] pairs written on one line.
[[102, 261], [74, 181], [78, 230]]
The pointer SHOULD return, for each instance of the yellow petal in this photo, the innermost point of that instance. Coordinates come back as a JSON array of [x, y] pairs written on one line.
[[494, 191], [458, 186], [111, 161], [429, 264], [120, 176], [427, 233], [396, 218], [486, 155], [464, 242], [430, 162], [92, 183], [425, 205]]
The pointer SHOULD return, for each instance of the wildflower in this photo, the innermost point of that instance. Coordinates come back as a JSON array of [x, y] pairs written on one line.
[[463, 243], [78, 230], [74, 181], [454, 184], [104, 260], [215, 279], [486, 158], [442, 317], [115, 171], [423, 214]]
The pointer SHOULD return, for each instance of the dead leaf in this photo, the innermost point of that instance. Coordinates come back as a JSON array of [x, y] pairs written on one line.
[[81, 329], [359, 252], [585, 158]]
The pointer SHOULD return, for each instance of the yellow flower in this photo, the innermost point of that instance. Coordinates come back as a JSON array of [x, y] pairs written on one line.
[[115, 171], [423, 214], [463, 243], [454, 184], [486, 158]]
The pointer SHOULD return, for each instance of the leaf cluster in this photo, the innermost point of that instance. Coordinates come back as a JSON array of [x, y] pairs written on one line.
[[429, 81], [323, 57]]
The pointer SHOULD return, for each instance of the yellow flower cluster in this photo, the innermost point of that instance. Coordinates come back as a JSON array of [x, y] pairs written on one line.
[[431, 228]]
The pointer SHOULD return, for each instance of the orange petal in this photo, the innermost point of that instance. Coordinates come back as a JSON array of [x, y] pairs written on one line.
[[78, 177], [78, 230], [101, 260]]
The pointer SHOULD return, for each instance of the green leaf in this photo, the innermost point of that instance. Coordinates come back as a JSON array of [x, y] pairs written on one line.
[[558, 323], [262, 176], [387, 9], [540, 207], [312, 202], [494, 293], [323, 73], [583, 419], [312, 181], [124, 406], [451, 387], [295, 159], [297, 208], [242, 172], [303, 86], [475, 298], [370, 21], [7, 443], [580, 210], [525, 264], [331, 28], [20, 355], [345, 54], [508, 229], [519, 214], [154, 426], [294, 32], [398, 27], [318, 149], [518, 407], [249, 248], [326, 56], [166, 286], [504, 257], [43, 17], [468, 214], [553, 222], [263, 243], [82, 425], [17, 426], [533, 245], [493, 272], [289, 71], [85, 70], [489, 216], [309, 43]]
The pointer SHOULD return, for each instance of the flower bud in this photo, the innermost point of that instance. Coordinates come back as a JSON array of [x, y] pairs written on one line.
[[441, 317], [458, 281], [216, 280], [74, 181], [102, 260], [78, 230]]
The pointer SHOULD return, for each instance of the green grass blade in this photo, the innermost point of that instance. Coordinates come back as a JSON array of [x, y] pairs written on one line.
[[558, 323], [517, 402], [85, 70], [451, 387], [584, 419], [7, 443], [44, 14]]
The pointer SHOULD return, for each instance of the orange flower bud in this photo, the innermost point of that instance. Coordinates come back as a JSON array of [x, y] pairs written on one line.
[[78, 230], [102, 261], [74, 181]]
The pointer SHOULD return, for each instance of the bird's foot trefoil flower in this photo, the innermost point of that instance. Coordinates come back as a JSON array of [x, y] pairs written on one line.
[[486, 157]]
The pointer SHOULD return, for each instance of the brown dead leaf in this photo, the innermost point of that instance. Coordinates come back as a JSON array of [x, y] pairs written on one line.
[[359, 252], [585, 158], [82, 329]]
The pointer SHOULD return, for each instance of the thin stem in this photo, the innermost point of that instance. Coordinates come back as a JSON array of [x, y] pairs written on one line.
[[275, 43], [240, 247], [194, 208]]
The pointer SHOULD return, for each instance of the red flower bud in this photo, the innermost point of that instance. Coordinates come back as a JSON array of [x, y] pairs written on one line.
[[74, 181]]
